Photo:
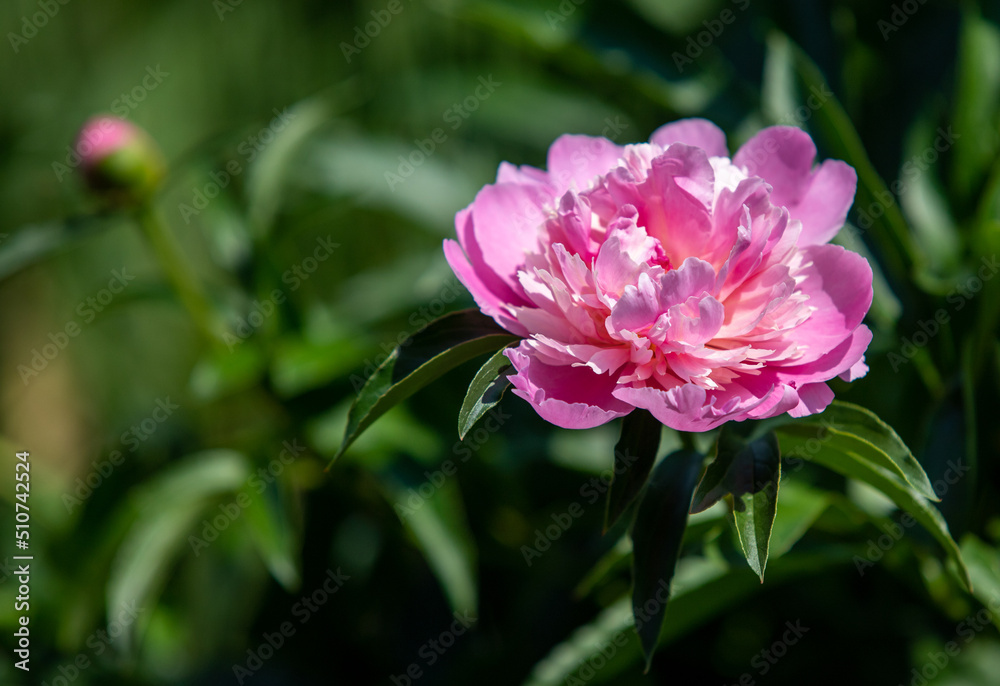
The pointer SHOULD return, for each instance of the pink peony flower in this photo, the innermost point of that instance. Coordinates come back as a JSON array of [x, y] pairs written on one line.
[[669, 277]]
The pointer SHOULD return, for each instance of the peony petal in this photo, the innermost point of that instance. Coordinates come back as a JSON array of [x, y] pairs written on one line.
[[575, 162], [505, 222], [570, 397], [699, 133], [813, 399], [839, 285], [488, 301], [783, 156]]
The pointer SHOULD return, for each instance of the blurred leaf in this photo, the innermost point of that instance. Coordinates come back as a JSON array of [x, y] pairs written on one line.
[[441, 532], [35, 242], [891, 233], [266, 178], [431, 352], [635, 455], [703, 589], [299, 365], [922, 198], [485, 391], [164, 512], [223, 372], [976, 100], [656, 541], [801, 506], [808, 443], [275, 537], [984, 569]]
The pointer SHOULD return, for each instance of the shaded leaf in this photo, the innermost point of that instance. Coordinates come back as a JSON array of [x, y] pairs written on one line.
[[427, 355], [635, 455], [656, 541], [485, 391]]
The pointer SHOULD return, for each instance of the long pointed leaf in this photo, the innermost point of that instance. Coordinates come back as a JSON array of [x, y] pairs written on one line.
[[635, 455], [428, 354], [857, 428], [656, 540], [796, 438], [755, 509]]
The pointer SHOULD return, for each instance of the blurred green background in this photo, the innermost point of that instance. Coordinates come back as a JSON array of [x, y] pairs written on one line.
[[181, 518]]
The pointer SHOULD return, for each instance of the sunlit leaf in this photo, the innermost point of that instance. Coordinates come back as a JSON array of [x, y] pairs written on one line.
[[485, 391]]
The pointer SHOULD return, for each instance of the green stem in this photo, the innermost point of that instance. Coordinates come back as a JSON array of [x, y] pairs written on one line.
[[177, 270], [687, 441]]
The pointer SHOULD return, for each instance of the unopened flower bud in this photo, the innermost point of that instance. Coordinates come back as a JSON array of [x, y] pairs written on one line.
[[120, 162]]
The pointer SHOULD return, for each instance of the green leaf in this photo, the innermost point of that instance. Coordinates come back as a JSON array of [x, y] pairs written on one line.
[[485, 391], [749, 470], [704, 589], [35, 242], [754, 509], [427, 355], [440, 529], [656, 540], [164, 512], [635, 455], [274, 534], [841, 458], [984, 569], [976, 101], [856, 428]]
